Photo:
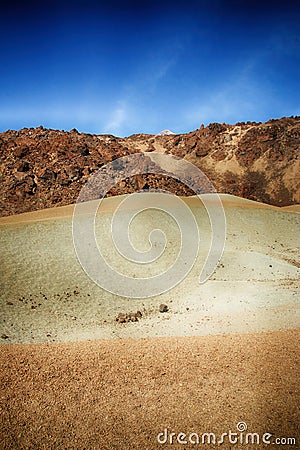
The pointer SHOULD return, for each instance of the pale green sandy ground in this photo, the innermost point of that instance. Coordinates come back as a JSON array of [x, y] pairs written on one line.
[[255, 288]]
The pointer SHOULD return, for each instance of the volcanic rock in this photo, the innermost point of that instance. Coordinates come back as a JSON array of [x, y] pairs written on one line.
[[163, 308], [41, 168]]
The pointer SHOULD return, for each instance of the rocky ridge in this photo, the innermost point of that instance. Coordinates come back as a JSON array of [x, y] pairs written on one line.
[[42, 168]]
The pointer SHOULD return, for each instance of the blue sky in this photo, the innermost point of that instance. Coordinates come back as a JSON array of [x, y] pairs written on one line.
[[126, 67]]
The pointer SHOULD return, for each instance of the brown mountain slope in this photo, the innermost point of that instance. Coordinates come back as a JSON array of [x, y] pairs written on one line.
[[41, 168]]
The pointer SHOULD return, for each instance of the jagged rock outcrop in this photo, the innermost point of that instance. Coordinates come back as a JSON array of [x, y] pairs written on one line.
[[41, 168]]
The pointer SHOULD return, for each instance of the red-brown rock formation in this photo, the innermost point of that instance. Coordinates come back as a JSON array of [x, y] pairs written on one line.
[[41, 168]]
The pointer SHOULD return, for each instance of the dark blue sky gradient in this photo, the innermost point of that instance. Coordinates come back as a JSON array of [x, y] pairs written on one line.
[[127, 67]]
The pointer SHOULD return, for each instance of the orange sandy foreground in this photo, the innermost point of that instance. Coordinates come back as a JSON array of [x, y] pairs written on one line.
[[133, 393]]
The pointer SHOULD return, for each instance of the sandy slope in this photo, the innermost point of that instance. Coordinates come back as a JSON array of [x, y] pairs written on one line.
[[46, 296], [293, 208], [111, 203]]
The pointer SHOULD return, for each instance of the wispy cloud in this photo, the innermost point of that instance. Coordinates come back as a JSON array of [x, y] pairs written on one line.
[[116, 119]]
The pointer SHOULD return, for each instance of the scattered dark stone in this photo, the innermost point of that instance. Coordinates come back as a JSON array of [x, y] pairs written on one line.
[[121, 317], [4, 336], [131, 317], [163, 308]]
